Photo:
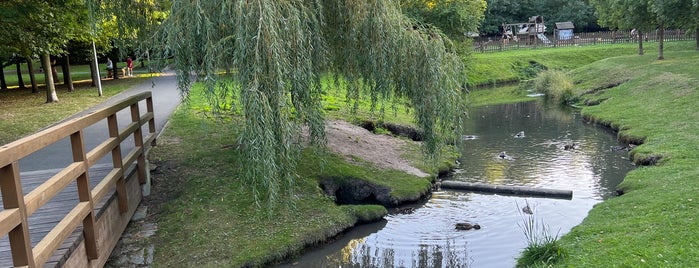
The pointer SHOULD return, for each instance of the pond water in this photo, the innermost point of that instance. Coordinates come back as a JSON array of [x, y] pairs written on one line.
[[426, 237]]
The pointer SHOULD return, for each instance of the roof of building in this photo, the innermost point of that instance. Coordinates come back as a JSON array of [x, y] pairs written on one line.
[[564, 25]]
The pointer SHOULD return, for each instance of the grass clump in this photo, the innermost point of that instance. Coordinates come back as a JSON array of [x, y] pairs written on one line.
[[542, 248], [556, 85]]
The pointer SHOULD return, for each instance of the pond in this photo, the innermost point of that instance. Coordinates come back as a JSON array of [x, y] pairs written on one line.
[[425, 236]]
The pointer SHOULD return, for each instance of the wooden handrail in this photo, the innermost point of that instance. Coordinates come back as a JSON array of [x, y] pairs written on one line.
[[18, 206]]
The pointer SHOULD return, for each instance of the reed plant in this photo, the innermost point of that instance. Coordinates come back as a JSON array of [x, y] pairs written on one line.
[[542, 248], [556, 85]]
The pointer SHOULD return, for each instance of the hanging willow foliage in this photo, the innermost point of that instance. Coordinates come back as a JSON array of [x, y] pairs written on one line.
[[279, 49]]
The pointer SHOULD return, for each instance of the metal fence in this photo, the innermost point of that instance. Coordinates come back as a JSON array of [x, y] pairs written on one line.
[[494, 44]]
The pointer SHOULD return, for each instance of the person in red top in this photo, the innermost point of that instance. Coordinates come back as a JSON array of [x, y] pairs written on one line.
[[129, 66]]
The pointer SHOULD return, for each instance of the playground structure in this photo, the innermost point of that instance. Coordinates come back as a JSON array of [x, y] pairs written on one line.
[[527, 31]]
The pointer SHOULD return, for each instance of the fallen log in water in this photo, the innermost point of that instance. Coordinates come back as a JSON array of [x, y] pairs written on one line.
[[507, 190]]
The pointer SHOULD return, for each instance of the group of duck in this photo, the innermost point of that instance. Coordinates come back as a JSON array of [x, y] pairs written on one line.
[[519, 135]]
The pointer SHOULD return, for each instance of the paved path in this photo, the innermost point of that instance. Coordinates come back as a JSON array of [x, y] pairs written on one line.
[[166, 97]]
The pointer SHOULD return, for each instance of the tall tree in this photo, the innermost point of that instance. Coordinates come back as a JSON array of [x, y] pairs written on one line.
[[626, 15], [456, 18], [282, 48], [580, 12], [40, 27], [680, 14]]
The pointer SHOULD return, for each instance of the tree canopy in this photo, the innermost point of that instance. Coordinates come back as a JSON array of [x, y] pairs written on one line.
[[513, 11], [281, 50], [456, 18]]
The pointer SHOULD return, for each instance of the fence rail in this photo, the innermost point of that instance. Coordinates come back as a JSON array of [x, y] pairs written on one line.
[[579, 39], [19, 206]]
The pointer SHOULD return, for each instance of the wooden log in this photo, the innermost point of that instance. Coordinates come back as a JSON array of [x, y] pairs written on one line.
[[507, 189]]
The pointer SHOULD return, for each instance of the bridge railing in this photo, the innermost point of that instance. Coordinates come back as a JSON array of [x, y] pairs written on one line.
[[18, 206]]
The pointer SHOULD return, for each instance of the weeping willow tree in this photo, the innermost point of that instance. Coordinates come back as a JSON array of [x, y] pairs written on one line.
[[280, 50]]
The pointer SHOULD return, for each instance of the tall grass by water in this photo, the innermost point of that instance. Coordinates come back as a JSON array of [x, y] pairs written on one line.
[[543, 248], [555, 84]]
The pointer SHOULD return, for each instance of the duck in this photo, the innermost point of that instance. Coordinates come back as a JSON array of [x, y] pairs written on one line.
[[469, 137], [467, 226], [437, 186], [569, 147], [405, 210], [519, 134], [503, 155], [527, 209]]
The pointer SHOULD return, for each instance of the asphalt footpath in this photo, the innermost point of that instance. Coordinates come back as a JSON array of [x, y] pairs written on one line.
[[166, 98]]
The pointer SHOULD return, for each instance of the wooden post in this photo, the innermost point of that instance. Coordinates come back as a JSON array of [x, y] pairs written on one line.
[[84, 195], [118, 164], [13, 198], [138, 142], [151, 122]]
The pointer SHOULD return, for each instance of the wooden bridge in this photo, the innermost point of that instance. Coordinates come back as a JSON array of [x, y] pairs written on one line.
[[74, 216]]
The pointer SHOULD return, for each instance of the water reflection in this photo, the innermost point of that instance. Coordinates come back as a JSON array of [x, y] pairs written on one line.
[[428, 238]]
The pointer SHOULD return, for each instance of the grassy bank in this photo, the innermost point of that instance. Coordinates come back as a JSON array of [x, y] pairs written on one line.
[[488, 69], [208, 216], [22, 113], [650, 102], [654, 223]]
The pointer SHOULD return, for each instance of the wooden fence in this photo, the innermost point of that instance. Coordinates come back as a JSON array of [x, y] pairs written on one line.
[[100, 230], [579, 39]]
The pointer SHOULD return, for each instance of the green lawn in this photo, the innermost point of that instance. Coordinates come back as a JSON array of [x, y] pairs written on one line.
[[487, 69], [22, 113], [654, 223]]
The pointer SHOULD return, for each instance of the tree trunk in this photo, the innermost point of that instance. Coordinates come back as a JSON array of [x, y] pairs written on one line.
[[20, 79], [54, 72], [3, 83], [661, 42], [93, 74], [67, 80], [51, 96], [32, 77], [696, 36], [640, 43]]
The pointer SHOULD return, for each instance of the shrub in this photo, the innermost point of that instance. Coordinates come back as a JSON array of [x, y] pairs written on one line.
[[556, 84]]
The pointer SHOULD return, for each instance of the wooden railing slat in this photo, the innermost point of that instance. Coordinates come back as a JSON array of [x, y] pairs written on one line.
[[47, 190], [51, 242], [132, 156], [9, 219], [103, 187], [101, 150]]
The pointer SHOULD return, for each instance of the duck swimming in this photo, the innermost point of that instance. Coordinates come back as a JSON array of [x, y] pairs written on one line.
[[467, 226], [569, 147], [503, 155], [519, 134]]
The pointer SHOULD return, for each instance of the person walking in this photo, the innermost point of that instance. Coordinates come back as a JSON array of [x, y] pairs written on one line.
[[129, 66]]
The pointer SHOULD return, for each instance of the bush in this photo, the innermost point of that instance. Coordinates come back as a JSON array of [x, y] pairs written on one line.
[[556, 84]]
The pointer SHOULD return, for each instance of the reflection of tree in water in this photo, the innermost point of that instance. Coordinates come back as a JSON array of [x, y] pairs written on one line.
[[363, 253]]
